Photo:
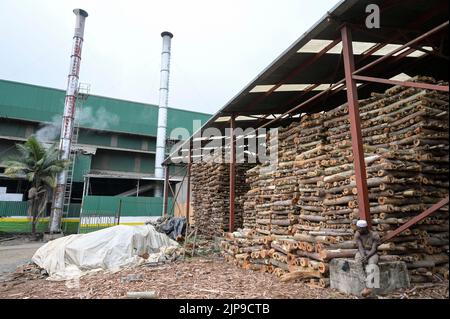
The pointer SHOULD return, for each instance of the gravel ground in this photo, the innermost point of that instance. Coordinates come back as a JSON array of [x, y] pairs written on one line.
[[194, 278]]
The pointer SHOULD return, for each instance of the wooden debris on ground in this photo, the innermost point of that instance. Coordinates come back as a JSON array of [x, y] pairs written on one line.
[[196, 278]]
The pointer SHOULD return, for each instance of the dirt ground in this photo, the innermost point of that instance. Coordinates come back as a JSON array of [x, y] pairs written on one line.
[[200, 277], [192, 278], [15, 251]]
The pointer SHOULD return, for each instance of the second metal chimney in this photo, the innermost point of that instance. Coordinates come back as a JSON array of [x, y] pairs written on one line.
[[162, 110]]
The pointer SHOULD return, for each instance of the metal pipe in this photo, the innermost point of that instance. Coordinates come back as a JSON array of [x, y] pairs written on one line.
[[68, 120], [232, 172], [355, 126], [85, 192], [137, 188], [188, 186], [162, 110], [166, 189]]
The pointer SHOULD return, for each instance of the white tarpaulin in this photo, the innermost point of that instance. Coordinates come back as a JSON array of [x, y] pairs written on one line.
[[108, 249]]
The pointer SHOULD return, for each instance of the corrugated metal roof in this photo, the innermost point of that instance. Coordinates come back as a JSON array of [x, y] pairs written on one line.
[[41, 104], [407, 19]]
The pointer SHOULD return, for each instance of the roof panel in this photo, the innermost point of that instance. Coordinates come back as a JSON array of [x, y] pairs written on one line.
[[401, 22]]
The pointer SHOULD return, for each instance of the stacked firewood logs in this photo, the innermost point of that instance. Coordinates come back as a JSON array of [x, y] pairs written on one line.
[[210, 196], [306, 208], [249, 199]]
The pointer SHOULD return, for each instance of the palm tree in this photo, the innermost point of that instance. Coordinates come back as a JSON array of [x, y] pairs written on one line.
[[40, 167]]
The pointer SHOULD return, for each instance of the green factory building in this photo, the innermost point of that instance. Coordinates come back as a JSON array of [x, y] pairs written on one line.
[[113, 172]]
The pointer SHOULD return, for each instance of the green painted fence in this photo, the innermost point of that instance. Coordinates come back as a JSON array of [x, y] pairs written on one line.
[[13, 218], [13, 215], [128, 206], [8, 208], [105, 211]]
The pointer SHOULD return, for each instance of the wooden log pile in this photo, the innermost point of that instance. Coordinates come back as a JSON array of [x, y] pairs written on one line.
[[258, 200], [305, 210], [210, 196], [249, 199]]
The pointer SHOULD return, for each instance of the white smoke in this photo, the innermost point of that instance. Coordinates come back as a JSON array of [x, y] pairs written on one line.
[[100, 120], [50, 132]]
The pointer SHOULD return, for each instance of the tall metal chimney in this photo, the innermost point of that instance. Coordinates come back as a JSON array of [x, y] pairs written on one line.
[[68, 119], [162, 110]]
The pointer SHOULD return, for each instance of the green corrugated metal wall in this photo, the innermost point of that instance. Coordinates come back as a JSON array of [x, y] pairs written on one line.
[[12, 129], [113, 161], [123, 161], [94, 138], [129, 141], [82, 167], [147, 164], [30, 102], [35, 103], [17, 128]]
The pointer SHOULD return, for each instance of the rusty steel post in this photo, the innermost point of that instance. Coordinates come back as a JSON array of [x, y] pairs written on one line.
[[232, 172], [355, 126], [188, 190], [166, 189], [68, 120]]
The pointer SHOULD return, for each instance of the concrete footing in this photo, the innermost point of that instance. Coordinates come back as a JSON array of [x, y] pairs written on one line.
[[47, 236], [388, 276]]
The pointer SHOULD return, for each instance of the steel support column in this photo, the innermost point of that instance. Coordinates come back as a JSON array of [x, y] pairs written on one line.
[[137, 187], [232, 172], [188, 190], [166, 189], [355, 126]]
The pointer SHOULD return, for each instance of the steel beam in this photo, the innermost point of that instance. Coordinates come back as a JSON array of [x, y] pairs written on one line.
[[175, 195], [368, 66], [188, 190], [402, 83], [335, 88], [293, 73], [416, 219], [355, 126], [166, 189], [372, 50], [232, 172], [401, 48]]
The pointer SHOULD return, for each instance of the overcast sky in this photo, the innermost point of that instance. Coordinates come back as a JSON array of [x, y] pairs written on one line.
[[217, 49]]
